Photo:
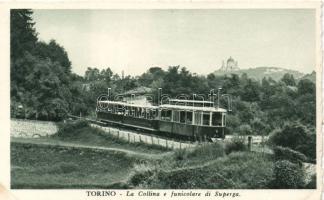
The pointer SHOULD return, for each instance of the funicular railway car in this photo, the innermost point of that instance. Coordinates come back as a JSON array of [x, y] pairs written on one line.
[[189, 119]]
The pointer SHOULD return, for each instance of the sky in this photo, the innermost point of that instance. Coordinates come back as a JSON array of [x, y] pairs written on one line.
[[135, 40]]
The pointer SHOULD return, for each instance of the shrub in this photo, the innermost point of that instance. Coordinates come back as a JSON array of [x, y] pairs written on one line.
[[284, 153], [68, 129], [210, 150], [290, 136], [296, 137], [248, 170], [236, 144], [191, 178], [180, 154], [288, 175], [141, 174], [312, 183], [309, 148]]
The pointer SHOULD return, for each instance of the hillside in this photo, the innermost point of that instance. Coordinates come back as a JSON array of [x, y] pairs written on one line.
[[258, 73]]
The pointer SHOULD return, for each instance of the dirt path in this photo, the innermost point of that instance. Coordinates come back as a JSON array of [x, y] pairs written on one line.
[[43, 142]]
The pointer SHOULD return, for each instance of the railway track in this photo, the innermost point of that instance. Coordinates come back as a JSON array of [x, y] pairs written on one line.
[[136, 136]]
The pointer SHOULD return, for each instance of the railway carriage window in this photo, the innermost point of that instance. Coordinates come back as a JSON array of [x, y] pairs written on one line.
[[188, 117], [166, 115], [198, 118], [109, 107], [120, 109], [224, 122], [182, 116], [206, 117], [217, 119], [137, 113], [176, 116], [141, 113]]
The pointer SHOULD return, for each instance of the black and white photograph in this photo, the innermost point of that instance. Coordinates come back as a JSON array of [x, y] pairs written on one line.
[[177, 99]]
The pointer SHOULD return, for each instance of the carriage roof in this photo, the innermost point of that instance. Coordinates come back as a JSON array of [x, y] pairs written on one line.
[[129, 104], [192, 108], [190, 101], [167, 106]]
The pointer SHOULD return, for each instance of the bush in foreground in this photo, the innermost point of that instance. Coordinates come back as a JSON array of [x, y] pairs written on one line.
[[297, 137], [288, 175], [142, 174], [240, 170], [312, 183], [68, 129], [210, 150], [191, 178], [284, 153], [236, 144]]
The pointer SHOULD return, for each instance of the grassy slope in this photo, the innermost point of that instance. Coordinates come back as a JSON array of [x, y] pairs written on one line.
[[36, 166], [206, 168], [85, 158], [74, 160], [96, 137], [53, 166]]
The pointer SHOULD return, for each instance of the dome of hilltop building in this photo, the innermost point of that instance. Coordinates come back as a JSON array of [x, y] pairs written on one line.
[[231, 65]]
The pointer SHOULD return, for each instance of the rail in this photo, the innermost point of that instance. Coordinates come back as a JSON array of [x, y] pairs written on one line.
[[136, 137]]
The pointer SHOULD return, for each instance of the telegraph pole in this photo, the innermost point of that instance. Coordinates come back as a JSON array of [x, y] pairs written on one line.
[[108, 93], [218, 97]]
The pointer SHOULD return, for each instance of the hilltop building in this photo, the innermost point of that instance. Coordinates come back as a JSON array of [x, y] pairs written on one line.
[[231, 65]]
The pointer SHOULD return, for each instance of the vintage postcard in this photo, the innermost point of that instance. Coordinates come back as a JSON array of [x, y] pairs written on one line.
[[186, 100]]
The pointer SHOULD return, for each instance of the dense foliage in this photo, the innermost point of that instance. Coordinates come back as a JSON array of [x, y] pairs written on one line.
[[288, 175], [295, 137], [284, 153], [236, 144], [235, 171], [40, 73]]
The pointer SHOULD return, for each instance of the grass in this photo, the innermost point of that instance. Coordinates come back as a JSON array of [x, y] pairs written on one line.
[[78, 156], [239, 170], [36, 166], [82, 133]]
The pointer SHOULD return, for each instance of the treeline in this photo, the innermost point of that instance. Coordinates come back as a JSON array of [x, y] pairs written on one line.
[[43, 86]]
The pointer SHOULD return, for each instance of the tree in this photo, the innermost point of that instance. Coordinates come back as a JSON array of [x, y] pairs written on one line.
[[92, 74], [288, 79], [40, 72], [292, 136], [251, 91], [306, 86], [55, 52], [106, 75], [23, 36], [258, 126], [245, 130]]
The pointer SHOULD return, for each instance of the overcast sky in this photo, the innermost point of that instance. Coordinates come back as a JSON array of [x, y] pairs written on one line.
[[134, 40]]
